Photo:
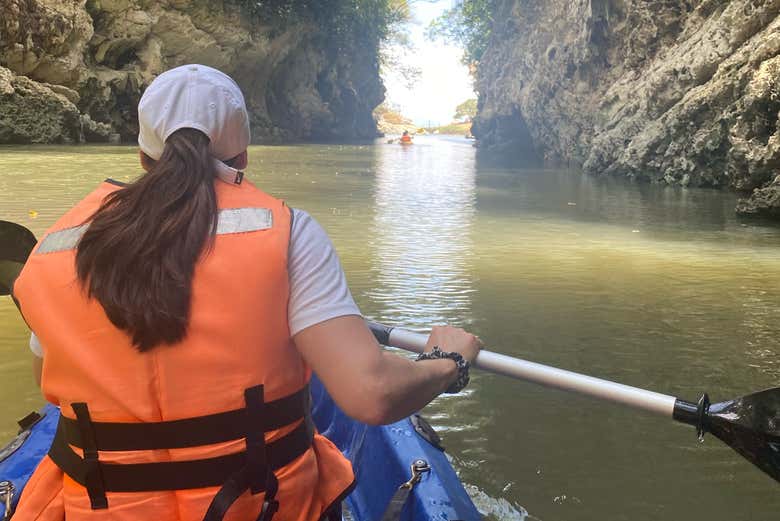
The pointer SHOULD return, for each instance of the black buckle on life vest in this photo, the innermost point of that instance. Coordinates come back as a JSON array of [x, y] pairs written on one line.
[[269, 509], [256, 461], [93, 476], [256, 475]]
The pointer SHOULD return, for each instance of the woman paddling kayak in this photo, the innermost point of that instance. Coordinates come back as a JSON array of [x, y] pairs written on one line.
[[178, 320]]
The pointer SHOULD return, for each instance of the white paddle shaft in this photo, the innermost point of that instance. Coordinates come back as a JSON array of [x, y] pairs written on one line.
[[550, 376]]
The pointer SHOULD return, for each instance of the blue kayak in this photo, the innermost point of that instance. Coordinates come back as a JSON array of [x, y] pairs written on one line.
[[381, 456]]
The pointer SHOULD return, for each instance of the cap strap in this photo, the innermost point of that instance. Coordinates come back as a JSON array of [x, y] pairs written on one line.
[[227, 173]]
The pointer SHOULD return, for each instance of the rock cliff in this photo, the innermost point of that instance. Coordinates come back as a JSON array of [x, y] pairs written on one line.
[[74, 70], [682, 92]]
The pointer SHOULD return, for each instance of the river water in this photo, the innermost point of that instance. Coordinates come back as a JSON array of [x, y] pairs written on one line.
[[659, 288]]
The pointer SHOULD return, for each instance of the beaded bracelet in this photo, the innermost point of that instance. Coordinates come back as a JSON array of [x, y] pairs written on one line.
[[463, 367]]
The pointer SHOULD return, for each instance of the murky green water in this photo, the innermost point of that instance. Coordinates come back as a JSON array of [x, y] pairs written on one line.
[[658, 288]]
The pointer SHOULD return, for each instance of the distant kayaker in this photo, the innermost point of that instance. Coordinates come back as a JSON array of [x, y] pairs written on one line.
[[177, 321], [406, 138]]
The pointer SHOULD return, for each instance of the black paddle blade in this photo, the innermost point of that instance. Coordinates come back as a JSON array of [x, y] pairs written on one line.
[[751, 426], [16, 243]]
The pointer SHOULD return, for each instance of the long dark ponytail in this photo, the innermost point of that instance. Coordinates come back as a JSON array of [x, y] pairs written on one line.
[[138, 256]]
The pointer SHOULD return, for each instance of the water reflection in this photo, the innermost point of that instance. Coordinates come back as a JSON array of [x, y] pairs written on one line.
[[571, 196], [424, 212], [423, 269]]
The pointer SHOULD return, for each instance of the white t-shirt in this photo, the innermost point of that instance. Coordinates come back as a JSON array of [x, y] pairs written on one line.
[[318, 286]]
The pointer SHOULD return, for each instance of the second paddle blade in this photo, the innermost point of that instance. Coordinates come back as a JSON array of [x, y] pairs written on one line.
[[751, 426], [16, 243]]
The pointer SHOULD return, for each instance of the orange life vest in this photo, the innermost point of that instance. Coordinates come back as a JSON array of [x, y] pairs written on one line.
[[238, 339], [406, 139]]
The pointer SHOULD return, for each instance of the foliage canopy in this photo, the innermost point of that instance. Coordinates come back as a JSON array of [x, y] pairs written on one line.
[[391, 114], [466, 110], [347, 22], [467, 24]]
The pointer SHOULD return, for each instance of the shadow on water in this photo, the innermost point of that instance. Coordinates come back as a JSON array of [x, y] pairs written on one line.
[[671, 213], [509, 160]]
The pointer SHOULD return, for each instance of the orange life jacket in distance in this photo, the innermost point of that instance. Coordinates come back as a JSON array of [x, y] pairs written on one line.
[[231, 396]]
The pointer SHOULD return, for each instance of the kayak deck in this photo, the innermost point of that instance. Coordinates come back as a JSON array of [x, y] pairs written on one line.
[[381, 457]]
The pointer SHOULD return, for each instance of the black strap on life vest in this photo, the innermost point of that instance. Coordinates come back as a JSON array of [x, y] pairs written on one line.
[[189, 432], [251, 469]]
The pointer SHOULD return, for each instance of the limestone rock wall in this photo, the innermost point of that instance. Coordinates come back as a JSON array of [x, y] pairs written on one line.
[[97, 56], [683, 92], [33, 112]]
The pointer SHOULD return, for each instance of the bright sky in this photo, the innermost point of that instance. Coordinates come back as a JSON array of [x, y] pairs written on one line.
[[445, 81]]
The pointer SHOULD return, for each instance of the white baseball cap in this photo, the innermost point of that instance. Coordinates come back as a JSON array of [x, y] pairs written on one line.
[[199, 97]]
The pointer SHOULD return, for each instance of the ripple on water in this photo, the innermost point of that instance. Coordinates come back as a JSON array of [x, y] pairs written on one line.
[[497, 509]]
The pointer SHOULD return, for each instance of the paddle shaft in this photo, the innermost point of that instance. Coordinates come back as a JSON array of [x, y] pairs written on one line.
[[496, 363]]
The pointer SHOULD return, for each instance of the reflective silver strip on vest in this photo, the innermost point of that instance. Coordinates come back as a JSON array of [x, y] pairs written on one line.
[[62, 240], [230, 220], [242, 220]]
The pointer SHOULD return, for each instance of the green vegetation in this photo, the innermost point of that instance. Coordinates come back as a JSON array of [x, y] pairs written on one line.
[[347, 22], [396, 46], [460, 129], [391, 114], [466, 110], [374, 25], [468, 24]]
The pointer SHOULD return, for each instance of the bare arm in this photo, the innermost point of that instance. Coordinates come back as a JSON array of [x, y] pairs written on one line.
[[372, 385]]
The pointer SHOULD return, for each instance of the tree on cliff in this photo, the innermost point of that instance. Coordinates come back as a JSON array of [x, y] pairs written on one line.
[[374, 24], [368, 22], [396, 47], [467, 24], [391, 113], [466, 110]]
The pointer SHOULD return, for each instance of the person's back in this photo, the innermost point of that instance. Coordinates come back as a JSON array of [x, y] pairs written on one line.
[[162, 308], [226, 351]]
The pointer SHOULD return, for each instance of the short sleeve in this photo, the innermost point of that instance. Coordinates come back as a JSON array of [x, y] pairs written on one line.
[[318, 286], [35, 346]]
